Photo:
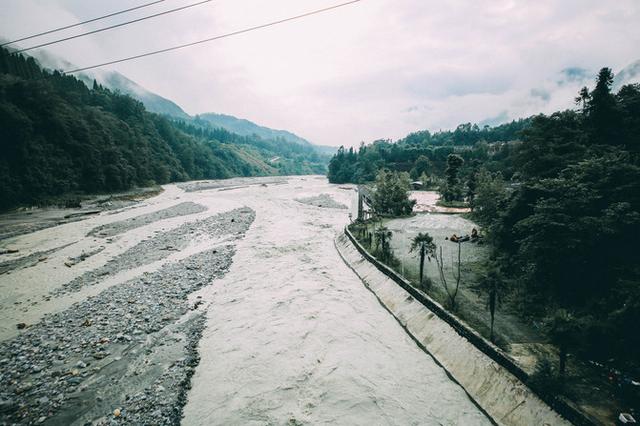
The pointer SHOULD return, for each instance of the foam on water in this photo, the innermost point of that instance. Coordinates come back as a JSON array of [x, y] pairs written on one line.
[[293, 337]]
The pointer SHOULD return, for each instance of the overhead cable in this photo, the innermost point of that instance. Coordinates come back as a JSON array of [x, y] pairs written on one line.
[[99, 30], [207, 40], [88, 21]]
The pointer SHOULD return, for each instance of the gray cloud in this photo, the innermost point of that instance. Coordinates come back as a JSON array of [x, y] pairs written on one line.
[[575, 75], [501, 118], [541, 93], [378, 69]]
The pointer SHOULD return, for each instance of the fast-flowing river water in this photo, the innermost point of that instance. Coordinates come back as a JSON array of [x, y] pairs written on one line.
[[103, 320], [293, 336]]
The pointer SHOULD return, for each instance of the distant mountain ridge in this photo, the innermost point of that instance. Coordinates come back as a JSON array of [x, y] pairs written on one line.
[[153, 102], [66, 134], [245, 127], [160, 105]]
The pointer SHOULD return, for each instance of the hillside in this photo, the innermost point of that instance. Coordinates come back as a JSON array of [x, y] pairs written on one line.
[[60, 136], [153, 102], [248, 128]]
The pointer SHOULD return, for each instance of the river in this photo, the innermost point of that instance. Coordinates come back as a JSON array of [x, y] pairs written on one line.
[[293, 336], [285, 332]]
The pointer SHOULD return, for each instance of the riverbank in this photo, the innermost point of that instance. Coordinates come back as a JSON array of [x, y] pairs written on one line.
[[68, 209], [588, 386], [493, 387]]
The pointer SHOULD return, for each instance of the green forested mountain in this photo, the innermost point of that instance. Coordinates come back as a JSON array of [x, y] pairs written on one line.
[[115, 82], [247, 128], [153, 102], [58, 136], [491, 145]]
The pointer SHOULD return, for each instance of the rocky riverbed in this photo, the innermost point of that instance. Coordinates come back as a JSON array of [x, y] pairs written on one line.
[[125, 355], [162, 244], [115, 228], [322, 200]]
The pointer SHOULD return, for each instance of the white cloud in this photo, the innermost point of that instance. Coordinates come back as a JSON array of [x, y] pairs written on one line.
[[377, 69]]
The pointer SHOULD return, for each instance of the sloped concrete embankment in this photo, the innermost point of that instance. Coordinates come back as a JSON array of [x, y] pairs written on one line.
[[500, 393]]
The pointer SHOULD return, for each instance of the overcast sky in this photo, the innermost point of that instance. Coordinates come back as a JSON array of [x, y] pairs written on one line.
[[375, 69]]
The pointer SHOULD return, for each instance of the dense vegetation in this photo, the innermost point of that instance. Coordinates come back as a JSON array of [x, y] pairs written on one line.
[[559, 198], [59, 136], [423, 152], [247, 128], [566, 230]]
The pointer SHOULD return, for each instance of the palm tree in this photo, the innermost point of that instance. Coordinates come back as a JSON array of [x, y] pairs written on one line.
[[425, 246], [383, 236], [563, 332]]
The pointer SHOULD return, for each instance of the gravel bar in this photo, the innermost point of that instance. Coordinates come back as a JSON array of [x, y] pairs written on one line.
[[161, 245], [124, 356], [322, 200], [116, 228]]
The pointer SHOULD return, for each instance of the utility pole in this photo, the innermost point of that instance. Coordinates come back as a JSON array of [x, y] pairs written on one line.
[[360, 204]]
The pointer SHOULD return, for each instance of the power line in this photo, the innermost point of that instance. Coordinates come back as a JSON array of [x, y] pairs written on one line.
[[99, 30], [55, 30], [182, 46]]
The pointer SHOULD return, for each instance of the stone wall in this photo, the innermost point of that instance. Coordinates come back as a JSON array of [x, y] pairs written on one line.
[[488, 375]]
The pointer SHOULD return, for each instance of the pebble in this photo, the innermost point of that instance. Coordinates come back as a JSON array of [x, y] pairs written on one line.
[[58, 347]]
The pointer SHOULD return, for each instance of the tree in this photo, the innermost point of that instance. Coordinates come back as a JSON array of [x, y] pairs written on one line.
[[452, 292], [602, 114], [563, 331], [391, 196], [562, 225], [423, 243], [583, 98], [383, 242], [490, 196], [452, 190], [421, 166], [493, 283], [628, 99], [472, 186], [427, 181], [341, 166]]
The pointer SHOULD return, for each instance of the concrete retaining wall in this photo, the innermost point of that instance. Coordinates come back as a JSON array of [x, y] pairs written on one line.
[[491, 379]]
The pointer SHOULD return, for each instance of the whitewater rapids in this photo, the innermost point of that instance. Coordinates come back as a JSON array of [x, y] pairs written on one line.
[[293, 337]]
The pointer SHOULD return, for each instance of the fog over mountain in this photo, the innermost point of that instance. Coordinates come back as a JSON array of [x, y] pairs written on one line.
[[377, 69], [629, 74], [161, 105]]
